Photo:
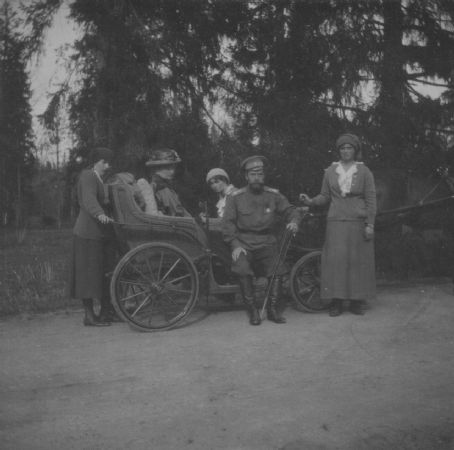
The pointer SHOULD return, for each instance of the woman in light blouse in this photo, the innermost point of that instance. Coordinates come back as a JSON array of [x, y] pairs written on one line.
[[348, 263]]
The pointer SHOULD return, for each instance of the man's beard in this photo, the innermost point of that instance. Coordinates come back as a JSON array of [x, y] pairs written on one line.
[[256, 188]]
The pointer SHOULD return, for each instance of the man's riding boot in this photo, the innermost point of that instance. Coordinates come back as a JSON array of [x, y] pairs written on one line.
[[335, 309], [247, 290], [274, 307]]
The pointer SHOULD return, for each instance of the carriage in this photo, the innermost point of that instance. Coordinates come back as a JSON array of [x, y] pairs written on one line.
[[168, 263]]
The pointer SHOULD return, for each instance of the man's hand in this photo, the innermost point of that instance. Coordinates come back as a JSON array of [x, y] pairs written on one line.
[[104, 219], [237, 252], [293, 227]]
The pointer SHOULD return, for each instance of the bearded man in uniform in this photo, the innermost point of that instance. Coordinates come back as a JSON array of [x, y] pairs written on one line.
[[249, 227]]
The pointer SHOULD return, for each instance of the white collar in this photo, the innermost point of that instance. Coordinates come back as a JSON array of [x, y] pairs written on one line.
[[345, 178]]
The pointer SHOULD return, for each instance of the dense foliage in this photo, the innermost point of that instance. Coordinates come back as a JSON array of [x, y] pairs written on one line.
[[15, 119], [219, 79]]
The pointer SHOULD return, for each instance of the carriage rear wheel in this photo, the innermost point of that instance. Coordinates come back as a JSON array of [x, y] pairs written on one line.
[[154, 286], [305, 283]]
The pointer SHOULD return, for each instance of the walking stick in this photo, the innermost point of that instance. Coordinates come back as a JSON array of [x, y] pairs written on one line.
[[204, 206], [285, 243]]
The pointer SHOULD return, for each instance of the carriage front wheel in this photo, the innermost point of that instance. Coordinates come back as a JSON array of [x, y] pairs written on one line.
[[154, 286], [305, 283]]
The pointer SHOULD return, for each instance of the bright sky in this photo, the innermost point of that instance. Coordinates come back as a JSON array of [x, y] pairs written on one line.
[[48, 71]]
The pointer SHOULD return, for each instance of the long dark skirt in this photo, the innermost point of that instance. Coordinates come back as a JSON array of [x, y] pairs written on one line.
[[348, 263], [87, 269]]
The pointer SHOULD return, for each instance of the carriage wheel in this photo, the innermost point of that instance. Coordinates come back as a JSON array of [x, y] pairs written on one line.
[[154, 286], [305, 283]]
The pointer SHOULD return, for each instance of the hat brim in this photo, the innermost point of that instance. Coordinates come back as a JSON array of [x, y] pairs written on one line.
[[264, 159], [163, 163]]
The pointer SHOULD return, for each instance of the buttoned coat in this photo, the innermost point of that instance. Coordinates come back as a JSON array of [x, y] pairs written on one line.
[[359, 205], [92, 198]]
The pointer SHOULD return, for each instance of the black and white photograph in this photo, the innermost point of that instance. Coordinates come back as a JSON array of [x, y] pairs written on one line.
[[227, 224]]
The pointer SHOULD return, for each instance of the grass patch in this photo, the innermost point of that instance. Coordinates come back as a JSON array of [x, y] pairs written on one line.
[[34, 271]]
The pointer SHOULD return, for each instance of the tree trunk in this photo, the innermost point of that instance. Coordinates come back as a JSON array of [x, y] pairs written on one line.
[[392, 80]]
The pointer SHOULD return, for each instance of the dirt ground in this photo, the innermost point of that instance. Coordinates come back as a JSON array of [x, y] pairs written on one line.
[[381, 381]]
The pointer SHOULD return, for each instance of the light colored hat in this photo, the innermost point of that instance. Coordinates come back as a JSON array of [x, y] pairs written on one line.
[[254, 163], [217, 172], [163, 157]]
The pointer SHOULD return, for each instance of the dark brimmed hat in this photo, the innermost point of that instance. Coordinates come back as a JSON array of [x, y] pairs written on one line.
[[351, 139], [163, 157], [99, 153], [254, 163]]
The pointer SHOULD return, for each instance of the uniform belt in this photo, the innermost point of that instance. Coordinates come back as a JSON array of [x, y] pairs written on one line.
[[260, 232]]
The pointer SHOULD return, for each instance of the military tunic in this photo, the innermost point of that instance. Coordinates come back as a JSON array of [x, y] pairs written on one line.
[[250, 222]]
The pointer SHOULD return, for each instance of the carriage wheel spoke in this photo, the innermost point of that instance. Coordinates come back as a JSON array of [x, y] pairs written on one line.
[[123, 299], [160, 264], [309, 300], [136, 283], [170, 270], [171, 299], [149, 268], [141, 305], [178, 279], [139, 272], [182, 291]]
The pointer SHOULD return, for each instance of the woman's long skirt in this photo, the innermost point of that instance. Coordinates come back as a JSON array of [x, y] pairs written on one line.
[[87, 268], [348, 262]]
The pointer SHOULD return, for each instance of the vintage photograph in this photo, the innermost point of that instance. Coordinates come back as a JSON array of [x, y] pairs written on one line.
[[227, 224]]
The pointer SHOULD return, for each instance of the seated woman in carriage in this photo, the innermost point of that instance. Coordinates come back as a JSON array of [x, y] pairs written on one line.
[[219, 182], [157, 197], [163, 163]]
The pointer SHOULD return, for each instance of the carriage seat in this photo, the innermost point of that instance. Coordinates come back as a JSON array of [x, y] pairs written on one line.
[[135, 226]]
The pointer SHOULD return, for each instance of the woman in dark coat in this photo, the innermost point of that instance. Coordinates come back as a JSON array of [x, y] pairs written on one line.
[[348, 264], [90, 246]]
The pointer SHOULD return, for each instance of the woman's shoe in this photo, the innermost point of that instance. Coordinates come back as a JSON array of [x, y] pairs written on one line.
[[110, 316], [357, 307], [335, 308]]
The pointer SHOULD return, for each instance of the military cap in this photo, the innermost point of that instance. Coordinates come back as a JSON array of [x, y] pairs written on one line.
[[217, 172], [163, 157], [255, 163]]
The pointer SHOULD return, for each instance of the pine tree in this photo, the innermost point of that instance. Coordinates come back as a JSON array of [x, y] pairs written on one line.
[[16, 159]]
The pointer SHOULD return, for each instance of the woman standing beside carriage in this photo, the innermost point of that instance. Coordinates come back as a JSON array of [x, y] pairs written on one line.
[[348, 264], [90, 245]]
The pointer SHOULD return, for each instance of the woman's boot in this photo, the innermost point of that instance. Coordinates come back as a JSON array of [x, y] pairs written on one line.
[[335, 308], [89, 318], [357, 307], [107, 312]]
